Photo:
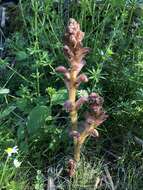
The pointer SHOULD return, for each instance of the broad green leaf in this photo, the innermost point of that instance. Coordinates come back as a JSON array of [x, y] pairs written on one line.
[[118, 3], [4, 91], [21, 55], [20, 133], [6, 112], [24, 105], [37, 119], [23, 146], [59, 97]]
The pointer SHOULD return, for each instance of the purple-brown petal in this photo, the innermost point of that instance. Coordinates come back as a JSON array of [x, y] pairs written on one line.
[[68, 106], [68, 52], [95, 99], [81, 78], [75, 134], [61, 69], [82, 52], [71, 167], [93, 132], [81, 101], [80, 66], [99, 120], [96, 109], [93, 96]]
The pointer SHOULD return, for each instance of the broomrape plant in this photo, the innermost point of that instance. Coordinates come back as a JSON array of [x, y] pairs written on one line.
[[95, 116]]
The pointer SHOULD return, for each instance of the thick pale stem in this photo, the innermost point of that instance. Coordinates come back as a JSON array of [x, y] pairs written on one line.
[[73, 113], [72, 98], [77, 150], [79, 143]]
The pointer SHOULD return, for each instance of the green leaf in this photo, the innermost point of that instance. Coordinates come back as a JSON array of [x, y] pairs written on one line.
[[20, 133], [51, 91], [4, 91], [23, 146], [37, 119], [118, 3], [21, 55], [24, 105], [3, 63], [6, 112], [59, 97]]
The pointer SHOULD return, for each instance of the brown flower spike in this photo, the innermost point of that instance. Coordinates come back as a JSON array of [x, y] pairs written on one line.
[[75, 53]]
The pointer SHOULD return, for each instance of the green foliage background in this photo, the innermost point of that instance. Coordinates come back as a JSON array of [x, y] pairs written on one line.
[[31, 111]]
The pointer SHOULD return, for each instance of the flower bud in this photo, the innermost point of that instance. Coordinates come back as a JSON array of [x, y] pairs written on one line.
[[94, 119], [93, 96], [95, 99], [93, 132], [96, 109], [71, 167], [81, 78], [68, 106], [61, 69], [75, 134]]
